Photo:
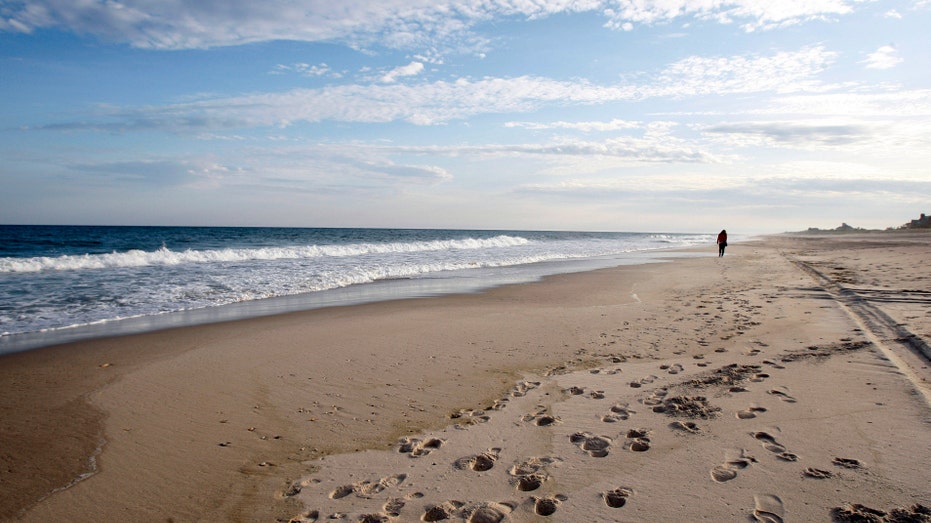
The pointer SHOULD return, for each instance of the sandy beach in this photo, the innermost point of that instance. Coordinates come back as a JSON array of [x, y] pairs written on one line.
[[787, 381]]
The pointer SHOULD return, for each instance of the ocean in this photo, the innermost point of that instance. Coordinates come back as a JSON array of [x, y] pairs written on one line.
[[64, 283]]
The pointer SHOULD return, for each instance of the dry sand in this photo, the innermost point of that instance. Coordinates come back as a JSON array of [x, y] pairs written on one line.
[[783, 382]]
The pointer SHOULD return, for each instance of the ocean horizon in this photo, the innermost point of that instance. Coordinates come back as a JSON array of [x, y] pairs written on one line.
[[73, 282]]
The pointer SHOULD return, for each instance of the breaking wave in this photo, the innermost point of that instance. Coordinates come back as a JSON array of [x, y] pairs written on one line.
[[168, 257]]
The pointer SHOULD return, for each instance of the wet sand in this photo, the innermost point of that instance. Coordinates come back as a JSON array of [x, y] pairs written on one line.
[[781, 382]]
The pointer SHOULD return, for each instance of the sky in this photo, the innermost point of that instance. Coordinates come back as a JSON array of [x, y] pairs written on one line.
[[756, 116]]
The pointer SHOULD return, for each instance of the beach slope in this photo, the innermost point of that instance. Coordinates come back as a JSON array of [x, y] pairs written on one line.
[[784, 381]]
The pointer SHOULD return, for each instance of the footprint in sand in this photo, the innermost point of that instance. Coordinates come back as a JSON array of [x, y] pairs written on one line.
[[393, 507], [471, 512], [723, 473], [469, 417], [575, 391], [530, 482], [750, 412], [675, 368], [417, 447], [811, 472], [307, 517], [342, 491], [295, 488], [522, 388], [547, 506], [374, 518], [595, 446], [783, 394], [770, 444], [768, 508], [733, 461], [643, 381], [848, 463], [639, 440], [858, 512], [685, 426], [444, 510], [617, 498], [367, 489], [540, 418], [479, 463], [530, 474], [656, 397], [490, 513], [619, 412], [499, 404], [768, 441]]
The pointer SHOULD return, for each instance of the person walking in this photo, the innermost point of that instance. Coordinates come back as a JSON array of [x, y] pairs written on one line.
[[722, 242]]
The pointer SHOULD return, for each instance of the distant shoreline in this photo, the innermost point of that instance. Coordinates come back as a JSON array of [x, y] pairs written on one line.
[[860, 231]]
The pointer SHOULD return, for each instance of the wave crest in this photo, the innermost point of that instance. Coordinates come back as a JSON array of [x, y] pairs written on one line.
[[165, 256]]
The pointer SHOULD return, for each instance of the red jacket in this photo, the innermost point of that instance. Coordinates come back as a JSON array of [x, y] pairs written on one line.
[[722, 237]]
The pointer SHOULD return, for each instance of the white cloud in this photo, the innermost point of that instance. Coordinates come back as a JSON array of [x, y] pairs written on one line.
[[889, 127], [782, 72], [756, 14], [892, 13], [567, 157], [443, 101], [632, 185], [904, 143], [411, 69], [900, 103], [886, 57], [613, 125], [759, 190], [800, 134], [307, 70], [326, 168], [404, 24]]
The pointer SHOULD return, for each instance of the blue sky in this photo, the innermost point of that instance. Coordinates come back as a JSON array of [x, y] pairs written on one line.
[[632, 115]]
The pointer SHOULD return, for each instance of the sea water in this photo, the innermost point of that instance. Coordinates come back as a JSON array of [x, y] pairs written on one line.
[[61, 283]]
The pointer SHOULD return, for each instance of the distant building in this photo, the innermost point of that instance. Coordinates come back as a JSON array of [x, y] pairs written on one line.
[[924, 222], [844, 227]]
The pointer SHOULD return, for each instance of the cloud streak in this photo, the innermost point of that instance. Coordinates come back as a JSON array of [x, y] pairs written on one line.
[[613, 125], [432, 103], [401, 24], [886, 57], [631, 149], [805, 134], [411, 69], [762, 190]]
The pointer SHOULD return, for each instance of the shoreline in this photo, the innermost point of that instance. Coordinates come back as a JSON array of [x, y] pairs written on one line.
[[453, 283], [221, 421]]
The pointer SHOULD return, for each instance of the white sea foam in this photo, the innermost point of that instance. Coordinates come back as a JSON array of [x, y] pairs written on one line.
[[165, 256]]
